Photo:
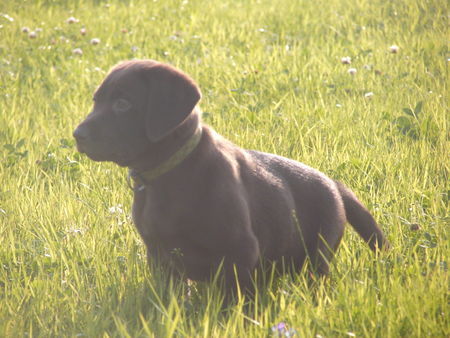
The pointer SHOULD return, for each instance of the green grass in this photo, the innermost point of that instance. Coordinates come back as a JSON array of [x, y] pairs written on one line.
[[71, 262]]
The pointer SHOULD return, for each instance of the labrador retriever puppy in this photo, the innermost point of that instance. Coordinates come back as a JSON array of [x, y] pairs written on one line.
[[200, 201]]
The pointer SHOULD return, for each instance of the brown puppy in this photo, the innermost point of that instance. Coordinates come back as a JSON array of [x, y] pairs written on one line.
[[199, 200]]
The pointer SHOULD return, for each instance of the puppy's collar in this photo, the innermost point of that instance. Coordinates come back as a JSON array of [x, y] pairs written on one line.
[[146, 177]]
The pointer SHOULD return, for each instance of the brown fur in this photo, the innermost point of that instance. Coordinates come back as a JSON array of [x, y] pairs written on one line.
[[222, 204]]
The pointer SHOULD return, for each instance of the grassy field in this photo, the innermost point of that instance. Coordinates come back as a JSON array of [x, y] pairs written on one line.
[[71, 262]]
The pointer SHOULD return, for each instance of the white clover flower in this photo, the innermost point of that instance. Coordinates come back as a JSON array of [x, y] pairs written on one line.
[[394, 49], [95, 41], [346, 60], [72, 20], [116, 209], [352, 71], [368, 95], [32, 35], [25, 30], [83, 31], [77, 51]]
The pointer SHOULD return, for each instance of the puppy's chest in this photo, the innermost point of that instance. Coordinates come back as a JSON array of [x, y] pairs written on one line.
[[159, 222], [172, 235]]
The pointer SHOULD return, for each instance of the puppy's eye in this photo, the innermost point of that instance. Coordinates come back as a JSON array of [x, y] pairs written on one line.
[[121, 106]]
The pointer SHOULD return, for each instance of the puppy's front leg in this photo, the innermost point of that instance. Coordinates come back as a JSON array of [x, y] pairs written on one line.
[[239, 266]]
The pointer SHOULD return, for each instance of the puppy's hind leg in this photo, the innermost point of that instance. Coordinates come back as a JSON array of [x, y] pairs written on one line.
[[321, 240], [324, 254]]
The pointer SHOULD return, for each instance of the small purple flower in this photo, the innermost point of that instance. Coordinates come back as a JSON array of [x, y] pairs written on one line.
[[281, 326], [282, 330]]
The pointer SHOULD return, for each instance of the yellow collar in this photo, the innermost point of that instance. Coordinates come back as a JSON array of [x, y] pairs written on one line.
[[144, 178]]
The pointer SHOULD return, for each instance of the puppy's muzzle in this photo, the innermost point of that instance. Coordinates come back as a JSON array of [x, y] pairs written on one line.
[[82, 136]]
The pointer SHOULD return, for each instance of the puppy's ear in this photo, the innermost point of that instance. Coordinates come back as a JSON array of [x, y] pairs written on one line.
[[172, 97]]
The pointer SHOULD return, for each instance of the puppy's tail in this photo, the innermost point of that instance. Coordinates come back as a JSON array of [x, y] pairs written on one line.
[[361, 219]]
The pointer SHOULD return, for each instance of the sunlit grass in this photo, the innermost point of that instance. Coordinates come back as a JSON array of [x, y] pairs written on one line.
[[272, 79]]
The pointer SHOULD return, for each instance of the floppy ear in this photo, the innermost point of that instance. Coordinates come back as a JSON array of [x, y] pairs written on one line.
[[172, 97]]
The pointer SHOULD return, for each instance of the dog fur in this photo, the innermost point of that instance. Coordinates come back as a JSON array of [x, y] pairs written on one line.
[[222, 205]]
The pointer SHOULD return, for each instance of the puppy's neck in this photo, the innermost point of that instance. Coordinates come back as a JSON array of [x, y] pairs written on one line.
[[161, 151]]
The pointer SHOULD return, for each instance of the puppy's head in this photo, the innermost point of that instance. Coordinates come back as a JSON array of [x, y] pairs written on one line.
[[140, 102]]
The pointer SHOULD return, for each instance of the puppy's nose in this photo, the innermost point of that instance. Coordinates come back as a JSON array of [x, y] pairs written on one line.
[[81, 134]]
